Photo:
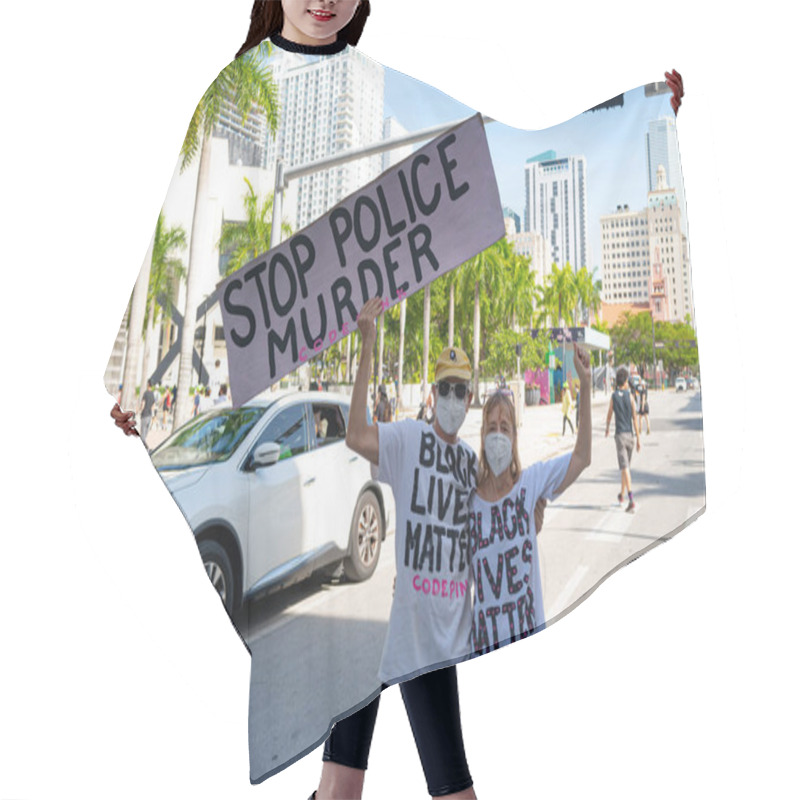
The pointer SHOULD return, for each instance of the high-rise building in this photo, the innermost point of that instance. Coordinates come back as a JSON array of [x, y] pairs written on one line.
[[555, 206], [667, 247], [511, 216], [245, 137], [391, 129], [646, 257], [328, 106], [626, 256], [662, 149], [532, 245]]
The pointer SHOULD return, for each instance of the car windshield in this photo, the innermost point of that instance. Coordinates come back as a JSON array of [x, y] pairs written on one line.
[[207, 440]]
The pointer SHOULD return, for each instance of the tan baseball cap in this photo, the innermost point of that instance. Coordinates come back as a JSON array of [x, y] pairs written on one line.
[[453, 363]]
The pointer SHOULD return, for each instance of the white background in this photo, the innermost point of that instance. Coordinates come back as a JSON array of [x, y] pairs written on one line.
[[119, 675]]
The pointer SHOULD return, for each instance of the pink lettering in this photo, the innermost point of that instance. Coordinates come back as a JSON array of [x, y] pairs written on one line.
[[439, 588], [303, 354], [317, 345]]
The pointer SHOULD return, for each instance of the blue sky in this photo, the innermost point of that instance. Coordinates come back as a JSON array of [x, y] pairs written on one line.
[[613, 142]]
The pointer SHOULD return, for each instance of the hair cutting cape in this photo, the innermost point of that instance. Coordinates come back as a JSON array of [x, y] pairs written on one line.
[[311, 180]]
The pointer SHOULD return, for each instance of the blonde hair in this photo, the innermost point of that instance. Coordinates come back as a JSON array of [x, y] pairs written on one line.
[[502, 400]]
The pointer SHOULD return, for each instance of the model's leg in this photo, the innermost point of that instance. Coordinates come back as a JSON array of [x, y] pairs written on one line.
[[626, 481], [346, 754], [338, 782], [433, 710]]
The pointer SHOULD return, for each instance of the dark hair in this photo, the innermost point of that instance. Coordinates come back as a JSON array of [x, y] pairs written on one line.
[[622, 376], [266, 18]]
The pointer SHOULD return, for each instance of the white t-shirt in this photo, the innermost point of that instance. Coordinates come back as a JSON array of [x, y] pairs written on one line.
[[504, 557], [432, 482]]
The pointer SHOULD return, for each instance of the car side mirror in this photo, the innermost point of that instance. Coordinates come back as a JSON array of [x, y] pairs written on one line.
[[265, 455]]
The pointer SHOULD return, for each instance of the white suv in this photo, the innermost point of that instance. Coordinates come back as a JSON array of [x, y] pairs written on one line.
[[273, 493]]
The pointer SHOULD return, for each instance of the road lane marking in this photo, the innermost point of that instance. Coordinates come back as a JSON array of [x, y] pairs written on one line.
[[566, 593], [612, 527]]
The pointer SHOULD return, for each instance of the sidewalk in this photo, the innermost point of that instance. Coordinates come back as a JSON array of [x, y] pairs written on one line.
[[540, 433], [539, 436]]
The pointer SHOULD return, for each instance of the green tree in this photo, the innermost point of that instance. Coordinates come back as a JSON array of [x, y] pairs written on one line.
[[249, 85], [245, 241], [632, 340], [166, 270], [483, 273], [501, 355], [557, 299], [588, 291], [680, 346]]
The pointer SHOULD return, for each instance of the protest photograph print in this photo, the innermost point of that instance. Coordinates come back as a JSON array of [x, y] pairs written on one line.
[[547, 272]]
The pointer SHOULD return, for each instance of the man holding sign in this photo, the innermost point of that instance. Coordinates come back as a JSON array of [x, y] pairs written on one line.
[[432, 474]]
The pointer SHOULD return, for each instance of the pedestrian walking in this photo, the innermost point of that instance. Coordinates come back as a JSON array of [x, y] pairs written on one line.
[[146, 405], [382, 411], [166, 405], [643, 406], [206, 401], [622, 408]]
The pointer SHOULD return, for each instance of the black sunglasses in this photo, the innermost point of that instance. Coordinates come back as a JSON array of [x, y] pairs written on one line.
[[459, 389]]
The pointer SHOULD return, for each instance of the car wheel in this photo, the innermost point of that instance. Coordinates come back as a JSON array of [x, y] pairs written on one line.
[[366, 533], [219, 570]]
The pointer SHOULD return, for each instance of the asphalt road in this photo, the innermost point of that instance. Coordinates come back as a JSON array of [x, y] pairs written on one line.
[[332, 633]]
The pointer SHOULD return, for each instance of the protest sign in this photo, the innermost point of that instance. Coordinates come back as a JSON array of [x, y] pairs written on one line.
[[423, 217]]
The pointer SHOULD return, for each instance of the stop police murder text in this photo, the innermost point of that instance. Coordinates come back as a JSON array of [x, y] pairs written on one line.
[[366, 223]]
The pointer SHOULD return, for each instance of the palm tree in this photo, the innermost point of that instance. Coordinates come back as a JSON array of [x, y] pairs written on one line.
[[137, 308], [248, 84], [401, 353], [480, 273], [558, 296], [588, 291], [451, 281], [518, 290], [246, 241], [165, 272]]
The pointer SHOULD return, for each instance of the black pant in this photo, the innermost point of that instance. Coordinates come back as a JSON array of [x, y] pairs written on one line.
[[564, 425], [431, 702]]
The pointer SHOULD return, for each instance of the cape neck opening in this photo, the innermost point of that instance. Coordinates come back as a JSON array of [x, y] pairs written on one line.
[[308, 49]]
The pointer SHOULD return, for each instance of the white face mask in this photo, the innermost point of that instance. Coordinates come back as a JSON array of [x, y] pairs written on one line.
[[497, 448], [450, 413]]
